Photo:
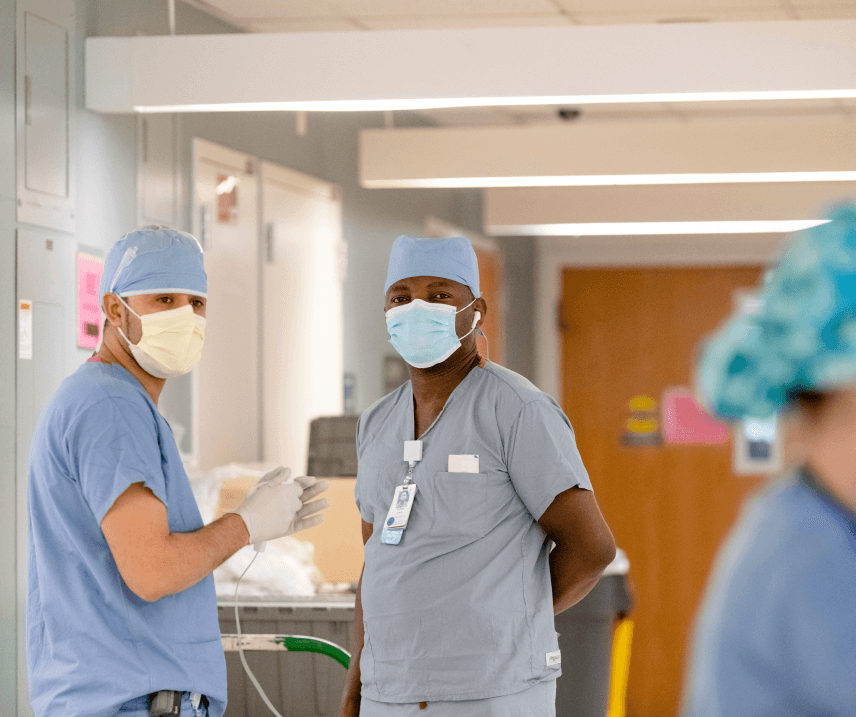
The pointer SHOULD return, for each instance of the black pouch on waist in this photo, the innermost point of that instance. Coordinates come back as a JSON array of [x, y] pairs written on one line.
[[165, 702]]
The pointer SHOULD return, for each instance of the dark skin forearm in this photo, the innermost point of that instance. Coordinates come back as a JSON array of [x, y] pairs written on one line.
[[584, 546], [572, 579]]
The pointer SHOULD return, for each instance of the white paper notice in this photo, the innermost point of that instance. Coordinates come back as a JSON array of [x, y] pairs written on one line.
[[25, 329], [464, 464]]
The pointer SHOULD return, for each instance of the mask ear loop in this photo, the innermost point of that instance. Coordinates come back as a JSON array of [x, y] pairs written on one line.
[[475, 320], [127, 306], [468, 306]]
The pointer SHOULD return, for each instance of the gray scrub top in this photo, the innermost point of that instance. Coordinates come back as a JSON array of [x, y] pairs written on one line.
[[462, 608]]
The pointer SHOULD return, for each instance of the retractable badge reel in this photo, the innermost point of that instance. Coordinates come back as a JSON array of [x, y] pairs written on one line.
[[402, 501]]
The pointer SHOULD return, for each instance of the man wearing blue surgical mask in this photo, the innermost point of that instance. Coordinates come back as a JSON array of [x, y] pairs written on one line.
[[468, 476], [121, 607]]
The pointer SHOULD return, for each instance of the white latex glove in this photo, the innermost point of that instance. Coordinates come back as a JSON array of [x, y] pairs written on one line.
[[279, 505]]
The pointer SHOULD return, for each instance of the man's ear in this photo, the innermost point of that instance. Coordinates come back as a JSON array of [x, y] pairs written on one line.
[[112, 311], [481, 307]]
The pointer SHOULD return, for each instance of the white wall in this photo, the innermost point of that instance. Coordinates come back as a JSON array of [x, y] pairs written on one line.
[[372, 219], [103, 151], [8, 538]]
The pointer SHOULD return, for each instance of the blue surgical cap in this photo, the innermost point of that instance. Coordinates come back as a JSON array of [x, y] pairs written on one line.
[[802, 337], [154, 260], [451, 258]]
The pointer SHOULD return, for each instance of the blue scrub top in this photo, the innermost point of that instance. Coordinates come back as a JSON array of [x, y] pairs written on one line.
[[462, 608], [92, 644], [777, 633]]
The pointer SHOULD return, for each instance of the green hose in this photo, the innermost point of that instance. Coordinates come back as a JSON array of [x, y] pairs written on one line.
[[296, 643]]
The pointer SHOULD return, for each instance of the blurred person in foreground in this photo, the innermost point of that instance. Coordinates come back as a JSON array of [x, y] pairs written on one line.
[[777, 633], [454, 612]]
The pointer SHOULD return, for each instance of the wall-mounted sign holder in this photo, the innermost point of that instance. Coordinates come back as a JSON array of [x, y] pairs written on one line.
[[643, 423]]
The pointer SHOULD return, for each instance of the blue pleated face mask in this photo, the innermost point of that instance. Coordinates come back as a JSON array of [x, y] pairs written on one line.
[[424, 333]]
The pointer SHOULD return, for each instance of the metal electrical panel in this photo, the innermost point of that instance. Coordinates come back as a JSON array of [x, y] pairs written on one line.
[[158, 169], [46, 348], [43, 97]]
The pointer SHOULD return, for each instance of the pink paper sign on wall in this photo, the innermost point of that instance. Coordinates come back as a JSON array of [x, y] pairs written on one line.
[[89, 319], [685, 421]]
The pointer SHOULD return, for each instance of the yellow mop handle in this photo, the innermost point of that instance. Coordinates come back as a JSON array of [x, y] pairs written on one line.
[[620, 668]]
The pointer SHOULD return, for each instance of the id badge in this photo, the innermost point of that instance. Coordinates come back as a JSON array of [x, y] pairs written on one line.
[[402, 504], [399, 514], [391, 536]]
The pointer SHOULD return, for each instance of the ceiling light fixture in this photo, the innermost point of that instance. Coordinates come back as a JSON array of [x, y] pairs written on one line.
[[378, 105], [654, 228], [608, 180]]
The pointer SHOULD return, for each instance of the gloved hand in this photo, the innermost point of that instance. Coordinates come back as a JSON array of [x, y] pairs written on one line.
[[279, 505]]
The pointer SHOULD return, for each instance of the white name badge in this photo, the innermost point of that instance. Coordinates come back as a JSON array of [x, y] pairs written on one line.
[[468, 463], [402, 504]]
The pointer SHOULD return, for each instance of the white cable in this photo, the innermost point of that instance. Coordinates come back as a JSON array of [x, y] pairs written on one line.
[[241, 649]]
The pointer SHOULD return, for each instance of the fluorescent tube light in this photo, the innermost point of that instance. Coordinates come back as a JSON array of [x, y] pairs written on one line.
[[609, 180], [379, 105], [654, 228]]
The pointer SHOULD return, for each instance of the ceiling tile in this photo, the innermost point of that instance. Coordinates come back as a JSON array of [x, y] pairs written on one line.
[[472, 21], [668, 16], [752, 14], [639, 111], [831, 12], [835, 4], [332, 24], [749, 107], [274, 9], [634, 18], [434, 8], [679, 8], [474, 116]]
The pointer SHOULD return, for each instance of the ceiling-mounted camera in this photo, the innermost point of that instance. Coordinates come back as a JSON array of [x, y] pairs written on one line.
[[568, 113]]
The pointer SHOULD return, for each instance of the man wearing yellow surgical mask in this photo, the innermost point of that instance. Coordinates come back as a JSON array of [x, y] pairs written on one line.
[[121, 607]]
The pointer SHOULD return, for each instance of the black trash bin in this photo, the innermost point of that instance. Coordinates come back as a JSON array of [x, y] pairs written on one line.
[[585, 639]]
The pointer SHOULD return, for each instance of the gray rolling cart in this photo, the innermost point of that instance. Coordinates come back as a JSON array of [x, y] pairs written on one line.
[[586, 641], [299, 683]]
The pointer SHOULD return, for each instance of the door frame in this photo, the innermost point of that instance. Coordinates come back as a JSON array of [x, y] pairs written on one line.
[[554, 254]]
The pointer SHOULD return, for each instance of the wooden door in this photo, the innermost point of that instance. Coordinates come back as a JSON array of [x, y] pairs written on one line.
[[629, 333]]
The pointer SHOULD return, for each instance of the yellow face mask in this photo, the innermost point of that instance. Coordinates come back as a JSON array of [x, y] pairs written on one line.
[[171, 344]]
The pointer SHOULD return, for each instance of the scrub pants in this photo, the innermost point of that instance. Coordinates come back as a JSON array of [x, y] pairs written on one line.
[[537, 701], [137, 708]]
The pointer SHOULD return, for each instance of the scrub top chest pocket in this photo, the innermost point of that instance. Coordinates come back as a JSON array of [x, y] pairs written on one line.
[[459, 501]]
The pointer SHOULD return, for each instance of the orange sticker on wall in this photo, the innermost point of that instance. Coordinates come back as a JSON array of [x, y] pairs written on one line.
[[227, 198]]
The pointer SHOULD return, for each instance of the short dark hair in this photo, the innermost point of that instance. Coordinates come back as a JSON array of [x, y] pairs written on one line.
[[807, 400]]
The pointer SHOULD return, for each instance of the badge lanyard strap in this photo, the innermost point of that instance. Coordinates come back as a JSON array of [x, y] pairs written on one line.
[[412, 454]]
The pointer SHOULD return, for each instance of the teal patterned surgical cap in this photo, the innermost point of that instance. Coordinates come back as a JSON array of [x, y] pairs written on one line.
[[802, 336]]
